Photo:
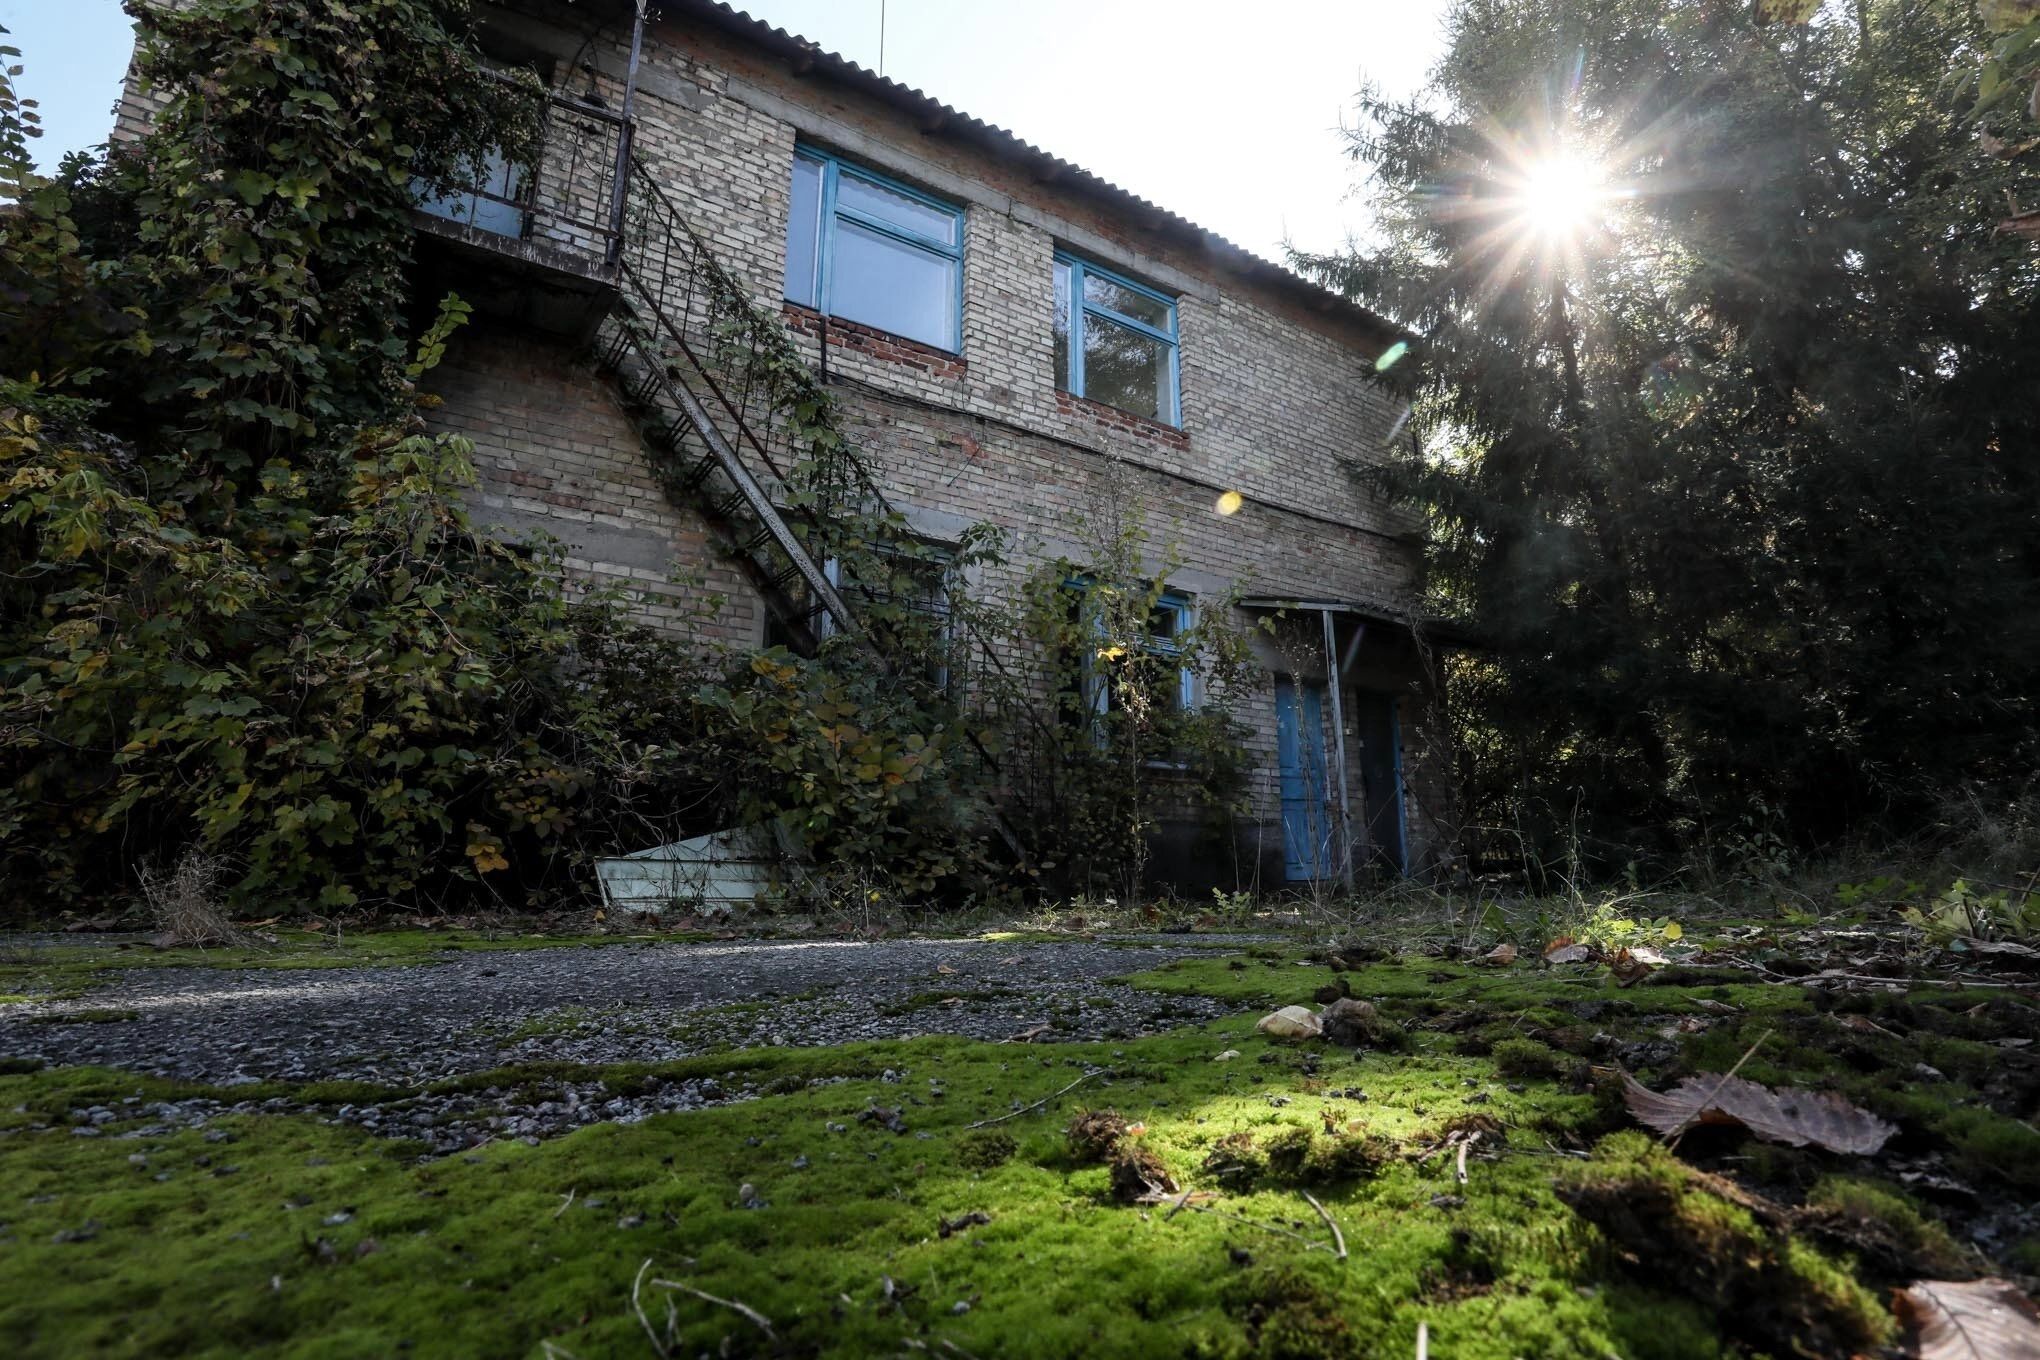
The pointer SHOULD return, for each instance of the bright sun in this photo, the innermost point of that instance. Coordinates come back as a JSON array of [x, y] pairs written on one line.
[[1559, 194]]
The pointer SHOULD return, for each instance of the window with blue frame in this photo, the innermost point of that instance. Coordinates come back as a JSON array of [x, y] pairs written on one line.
[[870, 250], [1115, 340], [1108, 678]]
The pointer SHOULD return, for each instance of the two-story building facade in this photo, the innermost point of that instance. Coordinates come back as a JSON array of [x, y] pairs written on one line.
[[1011, 340]]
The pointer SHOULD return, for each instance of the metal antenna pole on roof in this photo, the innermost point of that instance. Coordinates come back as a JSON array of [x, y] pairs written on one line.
[[881, 37]]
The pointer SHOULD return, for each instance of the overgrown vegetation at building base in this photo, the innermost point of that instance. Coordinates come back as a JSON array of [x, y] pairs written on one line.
[[857, 1215]]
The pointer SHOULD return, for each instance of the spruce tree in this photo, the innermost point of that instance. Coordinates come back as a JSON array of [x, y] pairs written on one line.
[[1727, 388]]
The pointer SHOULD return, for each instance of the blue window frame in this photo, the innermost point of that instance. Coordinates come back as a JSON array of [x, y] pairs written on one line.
[[871, 250], [1115, 341], [1171, 616]]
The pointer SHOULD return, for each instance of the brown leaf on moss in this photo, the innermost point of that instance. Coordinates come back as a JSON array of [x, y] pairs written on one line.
[[1786, 1115], [1634, 964], [1981, 1320]]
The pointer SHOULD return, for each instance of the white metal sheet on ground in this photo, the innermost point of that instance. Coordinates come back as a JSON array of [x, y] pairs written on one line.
[[721, 870]]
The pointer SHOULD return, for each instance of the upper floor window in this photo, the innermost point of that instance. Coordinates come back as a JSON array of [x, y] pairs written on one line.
[[864, 248], [1115, 340]]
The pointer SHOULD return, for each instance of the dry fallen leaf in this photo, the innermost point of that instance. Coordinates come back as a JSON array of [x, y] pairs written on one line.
[[1979, 1320], [1563, 950], [1785, 1115], [1632, 966], [1501, 956]]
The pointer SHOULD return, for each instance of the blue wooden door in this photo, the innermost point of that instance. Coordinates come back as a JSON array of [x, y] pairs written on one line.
[[1300, 749]]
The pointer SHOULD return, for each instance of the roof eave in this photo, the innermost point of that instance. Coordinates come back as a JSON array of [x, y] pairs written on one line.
[[934, 117]]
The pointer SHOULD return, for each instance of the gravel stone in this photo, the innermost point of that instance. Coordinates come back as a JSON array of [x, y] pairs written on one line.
[[410, 1026]]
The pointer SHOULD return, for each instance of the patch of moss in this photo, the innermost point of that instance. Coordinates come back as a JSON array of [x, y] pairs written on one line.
[[985, 1149], [1881, 1226], [1526, 1058], [1732, 1252], [475, 1254]]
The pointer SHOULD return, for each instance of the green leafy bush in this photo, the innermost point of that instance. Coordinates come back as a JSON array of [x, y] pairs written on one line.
[[349, 690]]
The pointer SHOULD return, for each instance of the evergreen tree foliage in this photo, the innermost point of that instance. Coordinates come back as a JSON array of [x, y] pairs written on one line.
[[1728, 389]]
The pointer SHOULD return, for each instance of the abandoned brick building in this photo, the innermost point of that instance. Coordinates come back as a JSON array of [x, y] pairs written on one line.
[[1012, 340]]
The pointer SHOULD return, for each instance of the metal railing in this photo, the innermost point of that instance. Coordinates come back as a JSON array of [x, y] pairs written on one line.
[[563, 195]]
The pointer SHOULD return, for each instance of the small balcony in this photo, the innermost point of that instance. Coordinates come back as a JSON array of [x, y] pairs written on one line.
[[535, 241]]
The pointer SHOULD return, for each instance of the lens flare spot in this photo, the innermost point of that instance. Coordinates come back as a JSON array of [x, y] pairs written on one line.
[[1391, 356], [1229, 503]]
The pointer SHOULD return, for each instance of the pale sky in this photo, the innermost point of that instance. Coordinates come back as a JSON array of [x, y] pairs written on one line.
[[1225, 113]]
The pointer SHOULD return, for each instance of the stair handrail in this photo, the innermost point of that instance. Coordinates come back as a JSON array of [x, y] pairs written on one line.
[[649, 204]]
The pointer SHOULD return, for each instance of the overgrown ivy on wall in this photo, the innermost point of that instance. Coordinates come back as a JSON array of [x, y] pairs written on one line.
[[240, 605]]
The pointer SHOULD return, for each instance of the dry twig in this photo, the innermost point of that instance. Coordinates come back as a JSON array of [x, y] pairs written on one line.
[[756, 1318], [1338, 1238], [664, 1348], [1672, 1139], [987, 1123]]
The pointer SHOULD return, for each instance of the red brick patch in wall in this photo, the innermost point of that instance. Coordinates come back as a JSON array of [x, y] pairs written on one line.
[[848, 335], [1099, 412]]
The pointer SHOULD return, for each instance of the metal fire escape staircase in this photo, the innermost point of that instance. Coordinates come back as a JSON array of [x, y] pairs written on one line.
[[710, 378], [677, 353], [684, 345]]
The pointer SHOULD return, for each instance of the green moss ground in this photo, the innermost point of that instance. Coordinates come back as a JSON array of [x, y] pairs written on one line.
[[236, 1252]]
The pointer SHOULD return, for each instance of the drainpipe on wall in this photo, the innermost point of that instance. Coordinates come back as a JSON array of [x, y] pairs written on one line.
[[1337, 684], [621, 180]]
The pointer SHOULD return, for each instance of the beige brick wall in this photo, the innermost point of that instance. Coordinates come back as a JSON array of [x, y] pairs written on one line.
[[557, 455]]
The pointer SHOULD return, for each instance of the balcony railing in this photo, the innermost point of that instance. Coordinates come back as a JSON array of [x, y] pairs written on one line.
[[566, 196]]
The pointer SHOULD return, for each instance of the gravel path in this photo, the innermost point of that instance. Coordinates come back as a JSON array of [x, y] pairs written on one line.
[[411, 1025]]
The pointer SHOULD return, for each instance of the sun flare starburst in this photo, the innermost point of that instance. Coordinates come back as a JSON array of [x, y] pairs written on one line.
[[1561, 194]]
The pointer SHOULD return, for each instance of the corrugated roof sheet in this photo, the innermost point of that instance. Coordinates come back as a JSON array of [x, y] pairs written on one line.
[[934, 116]]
